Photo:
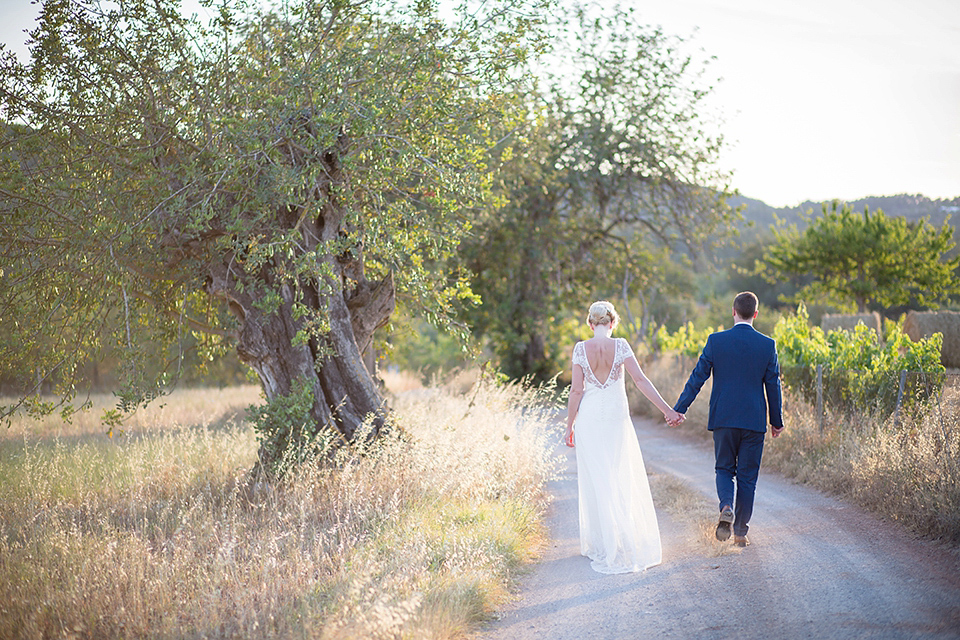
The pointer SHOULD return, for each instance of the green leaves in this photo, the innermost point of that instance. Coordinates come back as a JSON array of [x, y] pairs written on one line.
[[862, 260], [686, 340], [609, 175], [163, 178], [285, 428], [798, 343], [859, 370]]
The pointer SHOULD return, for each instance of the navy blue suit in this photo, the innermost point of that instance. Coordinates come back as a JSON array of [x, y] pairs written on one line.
[[746, 390]]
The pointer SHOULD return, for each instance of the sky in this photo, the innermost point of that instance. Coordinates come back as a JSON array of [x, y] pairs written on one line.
[[828, 99], [821, 99]]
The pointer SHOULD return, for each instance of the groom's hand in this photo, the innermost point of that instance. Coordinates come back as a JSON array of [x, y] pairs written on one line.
[[775, 431]]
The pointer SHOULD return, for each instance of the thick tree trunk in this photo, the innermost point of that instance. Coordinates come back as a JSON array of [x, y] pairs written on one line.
[[344, 391], [345, 394], [535, 354]]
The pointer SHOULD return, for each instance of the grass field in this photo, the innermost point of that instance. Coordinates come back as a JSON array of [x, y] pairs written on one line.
[[161, 533]]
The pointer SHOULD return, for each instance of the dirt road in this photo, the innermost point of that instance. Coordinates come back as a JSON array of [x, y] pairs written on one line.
[[817, 568]]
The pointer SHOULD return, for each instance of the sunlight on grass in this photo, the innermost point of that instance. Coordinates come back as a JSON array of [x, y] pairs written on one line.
[[674, 496], [181, 408], [164, 534]]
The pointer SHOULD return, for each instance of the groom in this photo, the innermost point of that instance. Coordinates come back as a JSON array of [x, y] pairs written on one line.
[[744, 365]]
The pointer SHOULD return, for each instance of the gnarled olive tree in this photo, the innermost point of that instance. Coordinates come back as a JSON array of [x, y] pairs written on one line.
[[274, 178]]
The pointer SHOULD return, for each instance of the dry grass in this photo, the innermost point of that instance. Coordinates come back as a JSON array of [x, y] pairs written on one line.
[[398, 382], [162, 534], [909, 471], [182, 407], [675, 496], [456, 381]]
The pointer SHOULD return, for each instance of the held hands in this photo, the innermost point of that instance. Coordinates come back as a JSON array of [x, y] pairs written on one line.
[[674, 418]]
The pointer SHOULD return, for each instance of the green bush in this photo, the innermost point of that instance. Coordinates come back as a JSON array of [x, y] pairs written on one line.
[[285, 429], [859, 371], [686, 341]]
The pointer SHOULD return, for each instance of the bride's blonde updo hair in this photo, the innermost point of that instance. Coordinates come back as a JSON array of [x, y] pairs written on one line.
[[602, 312]]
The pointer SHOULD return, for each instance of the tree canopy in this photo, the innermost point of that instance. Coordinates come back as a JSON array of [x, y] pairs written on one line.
[[274, 180], [862, 260], [612, 177], [277, 181]]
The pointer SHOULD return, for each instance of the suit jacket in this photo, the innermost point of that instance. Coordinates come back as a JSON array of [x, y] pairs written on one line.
[[744, 364]]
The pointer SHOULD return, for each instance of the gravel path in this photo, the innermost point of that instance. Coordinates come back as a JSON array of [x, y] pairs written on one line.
[[817, 568]]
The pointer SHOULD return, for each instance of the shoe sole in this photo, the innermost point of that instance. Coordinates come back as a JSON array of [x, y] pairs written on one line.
[[723, 531]]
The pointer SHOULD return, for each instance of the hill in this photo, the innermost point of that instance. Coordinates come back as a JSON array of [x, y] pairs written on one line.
[[759, 216]]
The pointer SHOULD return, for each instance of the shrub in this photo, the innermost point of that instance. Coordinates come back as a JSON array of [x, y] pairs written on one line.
[[858, 370], [285, 428], [686, 341]]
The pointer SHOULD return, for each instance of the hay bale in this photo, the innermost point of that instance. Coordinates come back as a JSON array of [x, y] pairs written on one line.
[[831, 321], [923, 324]]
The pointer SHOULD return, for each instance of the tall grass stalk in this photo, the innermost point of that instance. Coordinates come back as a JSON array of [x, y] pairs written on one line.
[[164, 534]]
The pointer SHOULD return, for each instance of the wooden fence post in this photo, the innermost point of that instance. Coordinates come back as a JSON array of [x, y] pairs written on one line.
[[896, 412], [820, 398]]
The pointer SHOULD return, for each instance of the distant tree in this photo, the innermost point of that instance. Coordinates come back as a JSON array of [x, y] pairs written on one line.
[[614, 168], [277, 179], [861, 260], [746, 272]]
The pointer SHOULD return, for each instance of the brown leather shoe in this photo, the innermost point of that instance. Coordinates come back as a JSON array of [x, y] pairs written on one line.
[[740, 541]]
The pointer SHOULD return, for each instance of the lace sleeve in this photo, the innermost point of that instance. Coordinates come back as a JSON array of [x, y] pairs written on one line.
[[625, 351], [580, 358], [580, 355]]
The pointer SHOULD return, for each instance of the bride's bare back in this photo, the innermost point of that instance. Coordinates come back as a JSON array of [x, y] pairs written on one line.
[[601, 352]]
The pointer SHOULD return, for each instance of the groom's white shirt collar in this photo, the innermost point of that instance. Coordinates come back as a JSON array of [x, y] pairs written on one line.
[[743, 322]]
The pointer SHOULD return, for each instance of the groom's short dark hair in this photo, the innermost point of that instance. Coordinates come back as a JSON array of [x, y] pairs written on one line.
[[745, 304]]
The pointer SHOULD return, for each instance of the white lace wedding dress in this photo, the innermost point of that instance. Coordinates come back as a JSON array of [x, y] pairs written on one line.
[[618, 524]]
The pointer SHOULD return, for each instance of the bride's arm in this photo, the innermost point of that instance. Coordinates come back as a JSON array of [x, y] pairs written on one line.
[[573, 403], [648, 389]]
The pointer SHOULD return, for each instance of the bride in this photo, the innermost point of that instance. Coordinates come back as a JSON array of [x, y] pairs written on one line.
[[618, 525]]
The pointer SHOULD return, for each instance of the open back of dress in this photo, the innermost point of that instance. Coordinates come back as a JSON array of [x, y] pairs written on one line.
[[618, 524]]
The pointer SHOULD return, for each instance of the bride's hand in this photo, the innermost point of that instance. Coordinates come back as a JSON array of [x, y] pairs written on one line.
[[568, 440], [674, 418]]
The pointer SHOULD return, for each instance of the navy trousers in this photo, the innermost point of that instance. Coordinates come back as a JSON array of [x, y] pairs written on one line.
[[738, 453]]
